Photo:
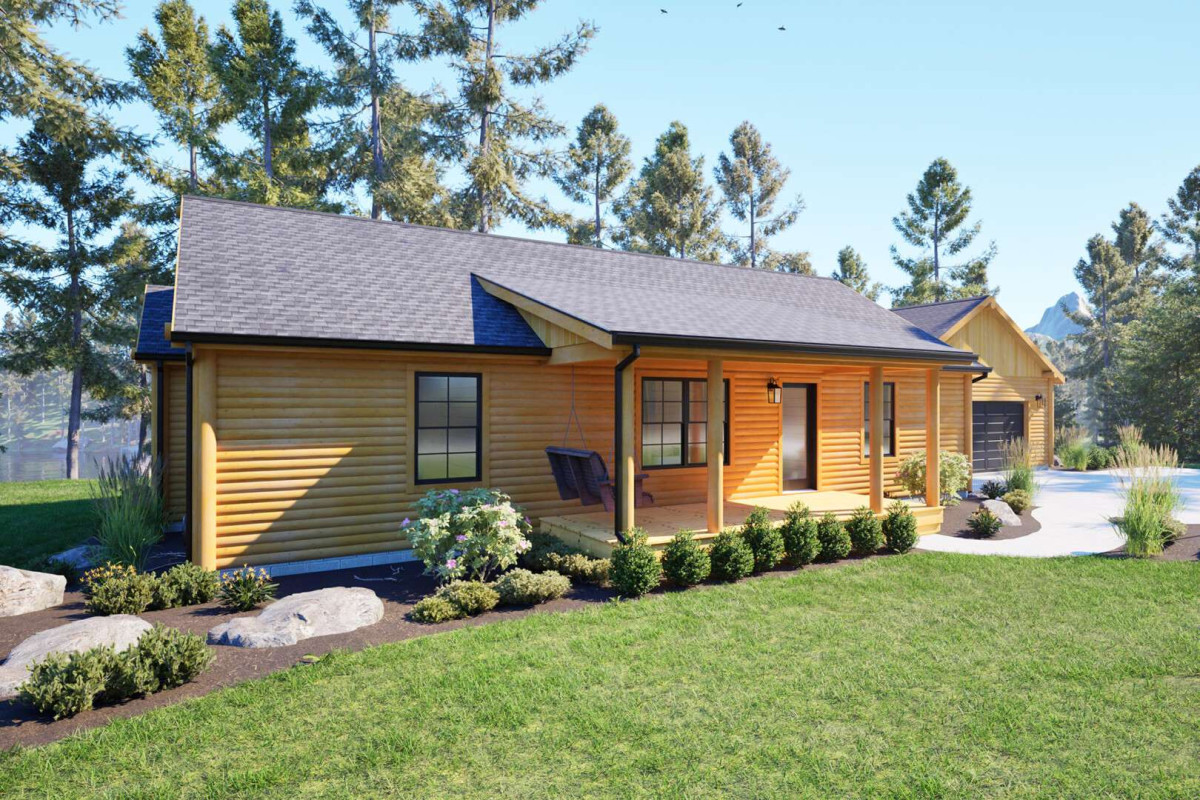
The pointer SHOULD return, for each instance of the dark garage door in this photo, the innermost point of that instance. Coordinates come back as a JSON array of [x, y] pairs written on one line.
[[994, 424]]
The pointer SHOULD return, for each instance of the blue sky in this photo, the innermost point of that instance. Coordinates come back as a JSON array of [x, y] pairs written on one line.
[[1056, 114]]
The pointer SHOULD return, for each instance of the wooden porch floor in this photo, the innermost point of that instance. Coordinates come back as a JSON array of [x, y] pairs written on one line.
[[593, 531]]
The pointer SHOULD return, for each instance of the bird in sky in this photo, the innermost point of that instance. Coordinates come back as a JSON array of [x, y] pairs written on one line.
[[663, 10], [782, 28]]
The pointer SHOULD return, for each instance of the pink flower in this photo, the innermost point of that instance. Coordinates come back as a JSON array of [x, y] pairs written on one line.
[[452, 563], [462, 537], [405, 523], [454, 491]]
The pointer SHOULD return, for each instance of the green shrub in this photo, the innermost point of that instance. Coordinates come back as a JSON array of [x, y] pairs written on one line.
[[731, 558], [993, 489], [765, 540], [246, 589], [635, 569], [1151, 494], [984, 524], [799, 530], [865, 532], [835, 542], [542, 548], [472, 598], [550, 553], [1072, 445], [434, 609], [467, 534], [129, 510], [520, 587], [1099, 458], [899, 528], [189, 584], [1018, 500], [1018, 468], [163, 658], [684, 561], [63, 685], [953, 473], [117, 589]]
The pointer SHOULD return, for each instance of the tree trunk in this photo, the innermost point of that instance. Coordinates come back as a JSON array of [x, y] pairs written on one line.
[[937, 267], [484, 123], [599, 242], [376, 137], [192, 167], [266, 132], [753, 240], [75, 414]]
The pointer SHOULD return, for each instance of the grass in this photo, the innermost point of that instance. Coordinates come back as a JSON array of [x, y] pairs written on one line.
[[41, 518], [928, 675]]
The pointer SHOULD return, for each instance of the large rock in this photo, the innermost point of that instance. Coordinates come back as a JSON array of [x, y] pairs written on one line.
[[22, 591], [121, 631], [82, 557], [302, 616], [1004, 511]]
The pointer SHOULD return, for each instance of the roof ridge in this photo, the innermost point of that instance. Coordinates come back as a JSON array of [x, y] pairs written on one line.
[[506, 237], [943, 302]]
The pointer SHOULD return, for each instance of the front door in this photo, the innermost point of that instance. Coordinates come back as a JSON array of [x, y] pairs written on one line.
[[799, 436]]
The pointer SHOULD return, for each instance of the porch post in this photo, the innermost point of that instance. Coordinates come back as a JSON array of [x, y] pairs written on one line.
[[715, 448], [204, 497], [933, 438], [625, 473], [875, 389], [1048, 422]]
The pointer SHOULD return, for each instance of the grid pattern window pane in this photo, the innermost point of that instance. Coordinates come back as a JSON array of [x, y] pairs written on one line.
[[889, 419], [675, 422], [448, 428]]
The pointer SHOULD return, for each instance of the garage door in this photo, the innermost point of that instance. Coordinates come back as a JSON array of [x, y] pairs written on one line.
[[993, 426]]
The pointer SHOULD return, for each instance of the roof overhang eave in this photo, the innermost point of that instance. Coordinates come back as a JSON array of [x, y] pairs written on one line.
[[195, 337], [950, 355]]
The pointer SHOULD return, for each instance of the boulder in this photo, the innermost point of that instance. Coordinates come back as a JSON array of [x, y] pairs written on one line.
[[22, 591], [302, 616], [1003, 510], [82, 557], [121, 631]]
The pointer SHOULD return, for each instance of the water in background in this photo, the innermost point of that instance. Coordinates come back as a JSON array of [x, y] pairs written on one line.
[[48, 464]]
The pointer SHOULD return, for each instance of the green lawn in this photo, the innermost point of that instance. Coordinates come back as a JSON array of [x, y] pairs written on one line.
[[40, 518], [931, 675]]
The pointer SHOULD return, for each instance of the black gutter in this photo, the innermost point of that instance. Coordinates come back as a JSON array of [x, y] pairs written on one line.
[[953, 354], [159, 426], [981, 377], [618, 454], [187, 511], [355, 344], [177, 355]]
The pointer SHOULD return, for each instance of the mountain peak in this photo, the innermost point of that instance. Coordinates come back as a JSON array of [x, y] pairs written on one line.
[[1057, 325]]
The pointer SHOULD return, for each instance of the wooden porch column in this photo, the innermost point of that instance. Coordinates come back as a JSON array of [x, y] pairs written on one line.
[[628, 468], [933, 438], [968, 429], [1048, 417], [204, 481], [715, 448], [875, 402]]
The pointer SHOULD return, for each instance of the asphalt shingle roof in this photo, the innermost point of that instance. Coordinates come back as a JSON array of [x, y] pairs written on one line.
[[937, 318], [255, 271], [156, 313]]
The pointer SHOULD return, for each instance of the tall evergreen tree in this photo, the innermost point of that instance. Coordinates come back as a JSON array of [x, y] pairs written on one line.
[[852, 271], [934, 222], [1134, 240], [751, 178], [63, 185], [1181, 224], [797, 262], [669, 209], [390, 148], [502, 140], [597, 164], [176, 78]]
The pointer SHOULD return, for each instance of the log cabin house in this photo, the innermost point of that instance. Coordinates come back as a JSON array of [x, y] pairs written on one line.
[[315, 374]]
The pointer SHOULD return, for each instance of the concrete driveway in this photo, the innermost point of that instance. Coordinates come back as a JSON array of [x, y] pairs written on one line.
[[1073, 509]]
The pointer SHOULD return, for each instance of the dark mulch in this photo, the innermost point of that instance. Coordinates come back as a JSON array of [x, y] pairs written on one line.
[[1185, 548], [954, 522], [21, 725]]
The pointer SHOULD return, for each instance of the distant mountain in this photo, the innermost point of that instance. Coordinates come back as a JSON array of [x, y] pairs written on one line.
[[1055, 324]]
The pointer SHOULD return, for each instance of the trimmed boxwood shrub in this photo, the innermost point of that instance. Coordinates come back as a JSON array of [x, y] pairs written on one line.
[[472, 598], [684, 561], [732, 559], [765, 540], [835, 542], [635, 569], [799, 531], [520, 587], [1019, 500], [434, 609], [899, 528], [984, 524], [865, 531]]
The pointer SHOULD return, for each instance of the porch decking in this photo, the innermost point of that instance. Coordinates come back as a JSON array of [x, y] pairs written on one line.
[[593, 531]]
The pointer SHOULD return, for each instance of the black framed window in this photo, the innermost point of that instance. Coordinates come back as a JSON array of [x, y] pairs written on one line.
[[675, 422], [889, 419], [449, 427]]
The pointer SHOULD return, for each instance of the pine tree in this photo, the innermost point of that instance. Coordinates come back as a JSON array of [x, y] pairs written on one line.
[[597, 164], [797, 263], [852, 271], [384, 125], [501, 140], [1181, 224], [751, 179], [176, 79], [669, 210], [937, 212], [62, 185], [1134, 240]]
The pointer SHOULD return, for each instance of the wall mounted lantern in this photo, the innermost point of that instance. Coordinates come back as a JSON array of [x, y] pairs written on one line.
[[774, 392]]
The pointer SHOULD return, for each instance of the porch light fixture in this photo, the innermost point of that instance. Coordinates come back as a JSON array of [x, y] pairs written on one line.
[[774, 392], [1039, 400]]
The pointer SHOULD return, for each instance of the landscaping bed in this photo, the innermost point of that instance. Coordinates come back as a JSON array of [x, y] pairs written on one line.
[[954, 522]]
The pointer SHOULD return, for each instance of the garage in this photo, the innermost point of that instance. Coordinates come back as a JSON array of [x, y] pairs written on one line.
[[994, 424]]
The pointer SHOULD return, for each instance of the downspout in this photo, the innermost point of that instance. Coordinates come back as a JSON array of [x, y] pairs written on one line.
[[187, 511], [618, 454], [979, 378]]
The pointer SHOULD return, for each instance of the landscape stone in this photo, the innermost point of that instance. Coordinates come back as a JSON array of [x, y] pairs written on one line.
[[121, 631], [22, 591], [1003, 510], [82, 557], [302, 616]]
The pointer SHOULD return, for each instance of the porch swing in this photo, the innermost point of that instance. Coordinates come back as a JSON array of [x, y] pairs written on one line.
[[580, 474]]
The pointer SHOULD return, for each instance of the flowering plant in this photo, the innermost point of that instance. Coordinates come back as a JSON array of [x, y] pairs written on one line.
[[467, 535], [246, 588]]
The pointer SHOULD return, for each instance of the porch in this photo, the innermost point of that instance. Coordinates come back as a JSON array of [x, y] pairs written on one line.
[[594, 533]]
